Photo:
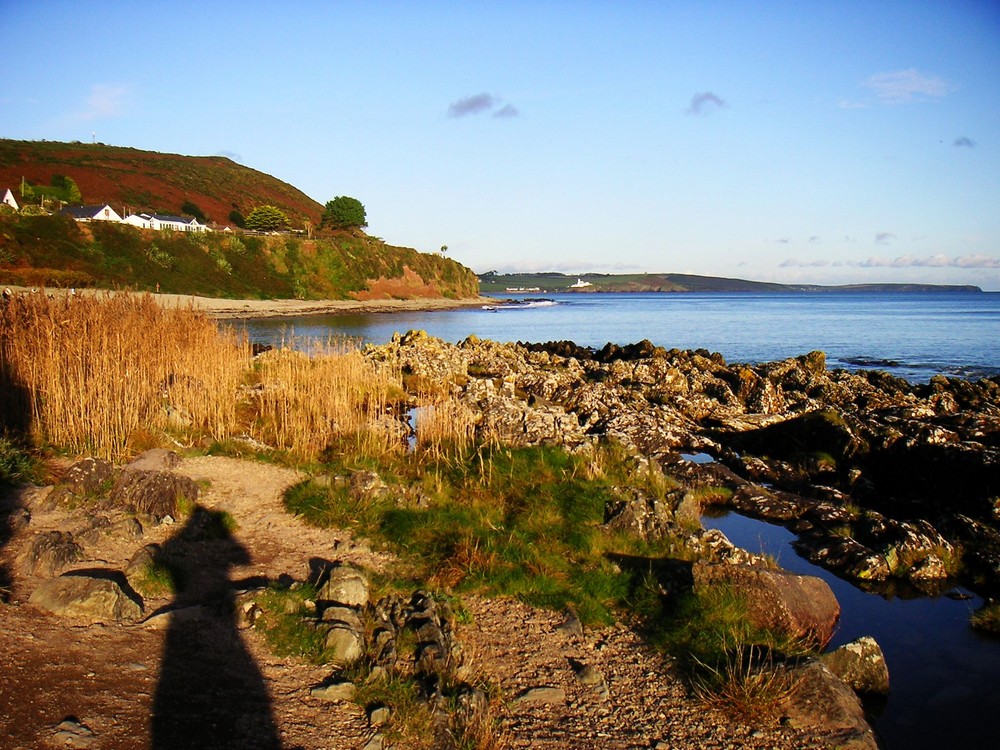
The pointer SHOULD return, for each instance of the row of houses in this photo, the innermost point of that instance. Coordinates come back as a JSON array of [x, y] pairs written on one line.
[[107, 213], [143, 221]]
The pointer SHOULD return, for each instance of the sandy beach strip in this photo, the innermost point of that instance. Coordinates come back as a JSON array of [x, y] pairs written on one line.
[[234, 309]]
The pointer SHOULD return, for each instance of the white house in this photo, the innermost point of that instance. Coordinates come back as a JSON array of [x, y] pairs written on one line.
[[164, 221], [8, 198], [92, 213]]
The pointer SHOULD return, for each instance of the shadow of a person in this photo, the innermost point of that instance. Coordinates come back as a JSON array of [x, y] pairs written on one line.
[[211, 693]]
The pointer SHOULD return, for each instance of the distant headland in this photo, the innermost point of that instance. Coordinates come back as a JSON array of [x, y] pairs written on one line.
[[493, 282]]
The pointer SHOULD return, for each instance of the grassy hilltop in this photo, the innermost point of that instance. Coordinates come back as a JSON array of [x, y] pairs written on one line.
[[43, 250]]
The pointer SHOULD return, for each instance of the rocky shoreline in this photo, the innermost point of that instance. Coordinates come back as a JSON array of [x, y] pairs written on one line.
[[885, 482]]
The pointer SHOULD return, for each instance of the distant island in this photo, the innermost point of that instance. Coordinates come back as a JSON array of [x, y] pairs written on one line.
[[493, 282]]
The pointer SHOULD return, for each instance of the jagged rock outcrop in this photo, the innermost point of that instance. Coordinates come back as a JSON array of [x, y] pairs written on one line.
[[826, 443]]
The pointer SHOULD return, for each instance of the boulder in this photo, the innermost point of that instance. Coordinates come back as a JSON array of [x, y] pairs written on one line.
[[156, 459], [157, 493], [861, 665], [803, 607], [48, 553], [86, 597], [88, 477], [345, 585], [338, 690], [822, 703], [343, 644]]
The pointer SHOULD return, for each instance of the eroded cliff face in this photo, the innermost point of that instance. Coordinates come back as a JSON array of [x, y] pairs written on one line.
[[882, 479]]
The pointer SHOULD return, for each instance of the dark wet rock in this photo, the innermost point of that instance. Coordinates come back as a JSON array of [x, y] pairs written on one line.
[[157, 493], [823, 431], [48, 553], [860, 664], [803, 607], [88, 597], [843, 554]]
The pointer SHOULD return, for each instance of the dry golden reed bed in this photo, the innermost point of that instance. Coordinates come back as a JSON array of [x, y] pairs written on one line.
[[110, 375]]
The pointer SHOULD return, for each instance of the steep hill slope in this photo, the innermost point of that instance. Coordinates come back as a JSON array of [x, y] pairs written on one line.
[[151, 181], [57, 251]]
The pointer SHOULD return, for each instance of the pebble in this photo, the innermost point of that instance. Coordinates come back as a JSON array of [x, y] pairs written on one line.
[[542, 694]]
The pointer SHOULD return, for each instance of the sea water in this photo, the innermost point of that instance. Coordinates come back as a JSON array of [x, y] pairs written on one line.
[[911, 335]]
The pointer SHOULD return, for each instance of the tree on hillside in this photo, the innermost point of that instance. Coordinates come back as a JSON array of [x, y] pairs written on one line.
[[344, 212], [237, 218], [191, 208], [267, 219]]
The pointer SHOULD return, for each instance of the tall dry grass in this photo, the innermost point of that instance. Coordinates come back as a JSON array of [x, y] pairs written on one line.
[[445, 427], [90, 373], [304, 404]]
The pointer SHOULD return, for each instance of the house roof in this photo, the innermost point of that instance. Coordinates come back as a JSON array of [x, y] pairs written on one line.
[[84, 212], [173, 219]]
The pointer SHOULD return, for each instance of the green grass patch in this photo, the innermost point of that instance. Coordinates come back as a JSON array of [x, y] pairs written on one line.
[[17, 465], [987, 619], [287, 625], [524, 522]]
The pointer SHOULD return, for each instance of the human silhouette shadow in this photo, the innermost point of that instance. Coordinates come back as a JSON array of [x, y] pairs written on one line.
[[211, 693]]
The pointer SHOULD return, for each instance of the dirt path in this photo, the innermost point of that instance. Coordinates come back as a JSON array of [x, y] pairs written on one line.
[[105, 677]]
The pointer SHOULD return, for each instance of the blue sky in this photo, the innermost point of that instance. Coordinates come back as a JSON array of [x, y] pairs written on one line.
[[823, 142]]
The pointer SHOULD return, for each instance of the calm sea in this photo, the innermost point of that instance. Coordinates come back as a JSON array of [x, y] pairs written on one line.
[[911, 335]]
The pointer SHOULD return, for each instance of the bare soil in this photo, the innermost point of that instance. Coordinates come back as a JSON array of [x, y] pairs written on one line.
[[106, 676]]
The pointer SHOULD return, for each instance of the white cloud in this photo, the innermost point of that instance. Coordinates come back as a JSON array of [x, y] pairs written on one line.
[[900, 86], [902, 261], [105, 100]]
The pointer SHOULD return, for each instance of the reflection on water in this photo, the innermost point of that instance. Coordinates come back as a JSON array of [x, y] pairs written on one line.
[[944, 676]]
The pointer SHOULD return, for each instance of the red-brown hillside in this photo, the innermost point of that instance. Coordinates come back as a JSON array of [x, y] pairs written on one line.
[[151, 181]]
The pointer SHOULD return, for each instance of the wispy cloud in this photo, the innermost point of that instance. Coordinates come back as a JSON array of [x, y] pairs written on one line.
[[104, 101], [478, 104], [884, 238], [231, 155], [900, 86], [793, 263], [963, 142], [902, 261], [507, 110], [705, 102]]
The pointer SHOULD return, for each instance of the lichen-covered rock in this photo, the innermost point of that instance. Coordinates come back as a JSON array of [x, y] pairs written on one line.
[[861, 665], [344, 585], [86, 598], [48, 553], [158, 493], [88, 477]]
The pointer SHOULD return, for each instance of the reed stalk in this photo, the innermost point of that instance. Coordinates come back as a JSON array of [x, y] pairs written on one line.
[[89, 373]]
